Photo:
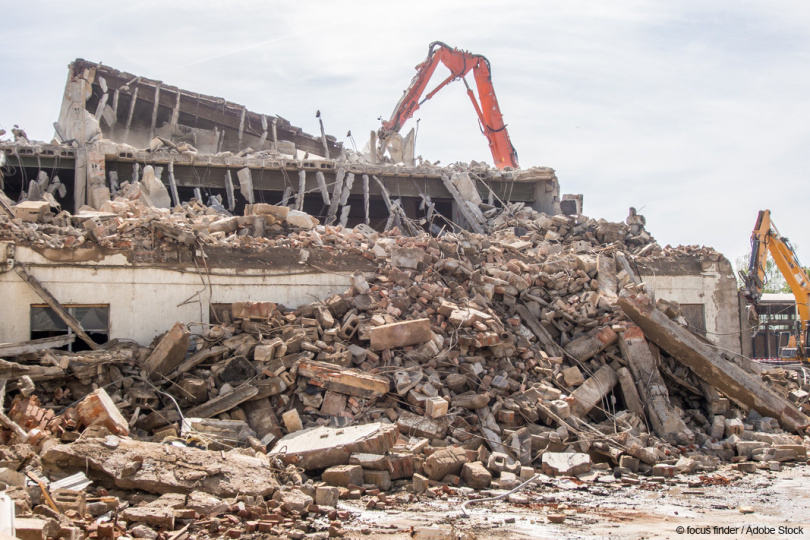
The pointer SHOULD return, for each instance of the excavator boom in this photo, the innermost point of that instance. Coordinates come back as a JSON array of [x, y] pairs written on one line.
[[460, 63]]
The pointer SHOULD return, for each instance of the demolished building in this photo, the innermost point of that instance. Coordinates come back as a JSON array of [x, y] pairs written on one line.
[[252, 364]]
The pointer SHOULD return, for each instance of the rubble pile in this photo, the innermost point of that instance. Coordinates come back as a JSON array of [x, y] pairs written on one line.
[[466, 362]]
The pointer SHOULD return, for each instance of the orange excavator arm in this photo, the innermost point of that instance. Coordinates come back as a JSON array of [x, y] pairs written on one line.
[[460, 63]]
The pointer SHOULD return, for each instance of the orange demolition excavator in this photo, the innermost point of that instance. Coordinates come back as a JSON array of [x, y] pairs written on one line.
[[459, 63]]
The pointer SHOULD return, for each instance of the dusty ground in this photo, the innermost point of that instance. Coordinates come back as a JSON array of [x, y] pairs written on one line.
[[780, 502]]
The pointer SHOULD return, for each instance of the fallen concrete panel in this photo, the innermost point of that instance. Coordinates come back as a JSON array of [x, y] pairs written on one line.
[[651, 388], [169, 353], [592, 391], [321, 447], [160, 468], [728, 378], [595, 341]]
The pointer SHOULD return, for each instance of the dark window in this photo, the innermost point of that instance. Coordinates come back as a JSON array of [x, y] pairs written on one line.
[[220, 314], [695, 315], [95, 320]]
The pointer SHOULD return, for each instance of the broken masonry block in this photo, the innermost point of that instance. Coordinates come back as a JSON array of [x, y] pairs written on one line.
[[371, 462], [28, 414], [381, 479], [445, 461], [471, 400], [401, 334], [261, 209], [667, 471], [508, 480], [161, 516], [35, 528], [407, 257], [169, 352], [292, 421], [401, 465], [344, 380], [194, 390], [343, 475], [31, 211], [572, 376], [436, 407], [98, 409], [292, 500], [326, 496], [334, 404], [253, 310], [565, 464], [499, 462], [475, 475], [420, 483]]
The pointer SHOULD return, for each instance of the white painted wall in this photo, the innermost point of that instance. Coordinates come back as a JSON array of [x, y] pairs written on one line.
[[716, 290], [145, 302]]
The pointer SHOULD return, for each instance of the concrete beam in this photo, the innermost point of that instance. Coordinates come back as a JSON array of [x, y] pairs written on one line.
[[726, 377]]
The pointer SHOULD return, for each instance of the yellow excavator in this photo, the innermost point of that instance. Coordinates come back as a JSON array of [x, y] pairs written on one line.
[[764, 239]]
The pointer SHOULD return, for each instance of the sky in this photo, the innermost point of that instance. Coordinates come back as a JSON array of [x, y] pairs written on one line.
[[694, 112]]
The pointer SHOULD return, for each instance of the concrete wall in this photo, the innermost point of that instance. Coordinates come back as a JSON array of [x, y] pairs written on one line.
[[710, 283], [147, 301]]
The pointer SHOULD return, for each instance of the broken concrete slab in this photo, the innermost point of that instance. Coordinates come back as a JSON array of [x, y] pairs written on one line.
[[475, 475], [651, 388], [592, 391], [169, 353], [445, 461], [321, 447], [587, 346], [343, 475], [160, 468]]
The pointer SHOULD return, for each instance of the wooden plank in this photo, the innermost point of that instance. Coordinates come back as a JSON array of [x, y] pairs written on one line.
[[34, 345], [736, 383], [55, 305]]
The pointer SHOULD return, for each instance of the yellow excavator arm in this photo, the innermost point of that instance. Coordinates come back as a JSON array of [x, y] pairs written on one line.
[[766, 239]]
